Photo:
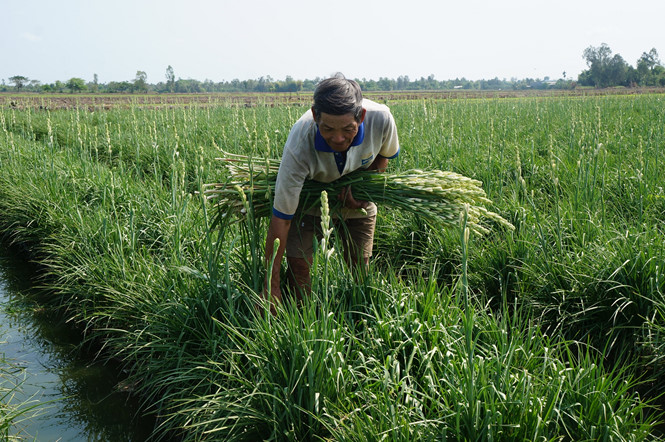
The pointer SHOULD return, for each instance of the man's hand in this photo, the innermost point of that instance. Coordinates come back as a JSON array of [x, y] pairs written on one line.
[[346, 198], [380, 164]]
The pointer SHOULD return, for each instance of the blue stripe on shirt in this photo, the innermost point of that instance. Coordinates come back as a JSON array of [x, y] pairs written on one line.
[[394, 156], [282, 215]]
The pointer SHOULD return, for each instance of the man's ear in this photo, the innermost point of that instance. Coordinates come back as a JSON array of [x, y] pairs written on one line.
[[313, 113], [362, 116]]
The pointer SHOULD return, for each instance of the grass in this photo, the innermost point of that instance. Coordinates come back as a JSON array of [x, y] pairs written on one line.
[[14, 412], [550, 332]]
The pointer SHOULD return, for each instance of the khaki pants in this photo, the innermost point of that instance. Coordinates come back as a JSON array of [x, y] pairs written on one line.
[[357, 235]]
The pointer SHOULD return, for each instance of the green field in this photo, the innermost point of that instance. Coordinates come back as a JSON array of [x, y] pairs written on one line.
[[553, 331]]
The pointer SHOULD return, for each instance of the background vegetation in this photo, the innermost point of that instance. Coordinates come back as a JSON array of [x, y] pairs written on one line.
[[551, 332], [605, 70]]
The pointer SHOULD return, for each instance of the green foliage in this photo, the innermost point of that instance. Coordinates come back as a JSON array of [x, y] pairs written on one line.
[[551, 332], [606, 70], [140, 82], [170, 79], [19, 81], [76, 85], [13, 412]]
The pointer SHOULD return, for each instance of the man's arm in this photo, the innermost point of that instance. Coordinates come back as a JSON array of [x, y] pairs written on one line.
[[278, 229], [380, 164]]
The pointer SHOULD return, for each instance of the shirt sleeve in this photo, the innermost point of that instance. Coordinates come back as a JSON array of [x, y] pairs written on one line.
[[293, 171], [390, 143]]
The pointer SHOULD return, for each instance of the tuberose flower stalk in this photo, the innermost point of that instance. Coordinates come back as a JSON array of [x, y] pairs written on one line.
[[438, 196]]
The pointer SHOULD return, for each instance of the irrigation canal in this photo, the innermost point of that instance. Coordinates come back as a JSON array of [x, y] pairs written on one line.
[[79, 398]]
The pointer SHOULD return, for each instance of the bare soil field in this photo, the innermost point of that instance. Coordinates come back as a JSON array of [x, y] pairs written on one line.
[[108, 101]]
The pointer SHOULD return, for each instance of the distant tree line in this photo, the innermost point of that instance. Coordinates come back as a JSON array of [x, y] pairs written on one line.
[[604, 70], [607, 70], [268, 84]]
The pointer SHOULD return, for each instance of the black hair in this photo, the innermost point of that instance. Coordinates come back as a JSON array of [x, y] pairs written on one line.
[[338, 96]]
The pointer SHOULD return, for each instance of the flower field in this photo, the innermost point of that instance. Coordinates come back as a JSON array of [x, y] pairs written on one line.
[[553, 330]]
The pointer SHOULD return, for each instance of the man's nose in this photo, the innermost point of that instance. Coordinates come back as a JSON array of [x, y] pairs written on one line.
[[338, 137]]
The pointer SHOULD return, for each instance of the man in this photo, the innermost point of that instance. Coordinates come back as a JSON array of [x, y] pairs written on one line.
[[343, 132]]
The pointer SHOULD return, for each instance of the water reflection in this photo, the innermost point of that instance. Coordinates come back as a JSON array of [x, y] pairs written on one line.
[[80, 396]]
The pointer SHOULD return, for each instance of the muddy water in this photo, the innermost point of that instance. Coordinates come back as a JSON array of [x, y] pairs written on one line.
[[80, 399]]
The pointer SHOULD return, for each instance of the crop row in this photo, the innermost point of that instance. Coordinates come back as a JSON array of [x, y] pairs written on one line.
[[551, 331]]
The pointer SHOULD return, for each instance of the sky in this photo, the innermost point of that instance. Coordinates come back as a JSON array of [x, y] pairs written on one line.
[[49, 40]]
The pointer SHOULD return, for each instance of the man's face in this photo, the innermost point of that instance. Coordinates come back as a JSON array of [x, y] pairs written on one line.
[[339, 130]]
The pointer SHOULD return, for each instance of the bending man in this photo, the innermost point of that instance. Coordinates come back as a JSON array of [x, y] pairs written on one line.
[[342, 133]]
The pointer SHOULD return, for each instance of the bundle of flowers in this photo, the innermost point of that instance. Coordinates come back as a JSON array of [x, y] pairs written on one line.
[[438, 196]]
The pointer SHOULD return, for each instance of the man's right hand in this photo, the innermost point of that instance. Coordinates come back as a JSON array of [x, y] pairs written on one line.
[[346, 198]]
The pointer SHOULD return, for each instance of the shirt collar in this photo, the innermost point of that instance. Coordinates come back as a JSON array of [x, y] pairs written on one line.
[[321, 145]]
